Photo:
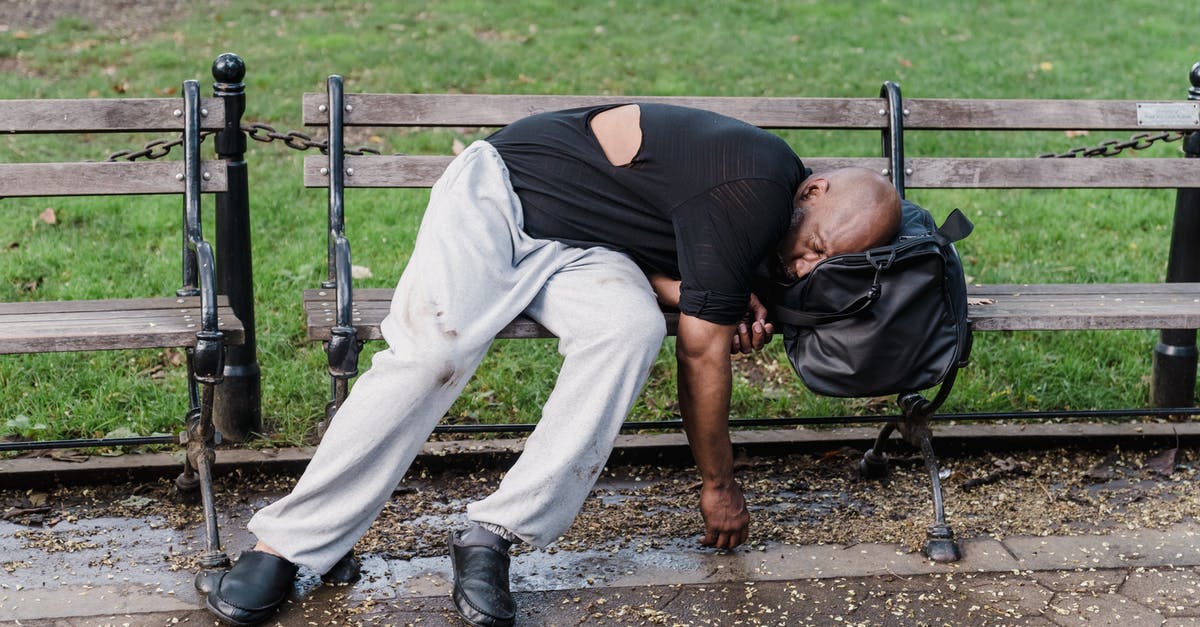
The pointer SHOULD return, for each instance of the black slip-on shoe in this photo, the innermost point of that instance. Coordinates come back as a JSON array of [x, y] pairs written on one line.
[[481, 592], [252, 590], [346, 570]]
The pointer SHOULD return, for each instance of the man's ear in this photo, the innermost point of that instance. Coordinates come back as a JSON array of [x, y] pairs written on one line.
[[812, 188]]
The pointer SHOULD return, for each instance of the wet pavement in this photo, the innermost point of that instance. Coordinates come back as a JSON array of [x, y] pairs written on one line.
[[77, 566]]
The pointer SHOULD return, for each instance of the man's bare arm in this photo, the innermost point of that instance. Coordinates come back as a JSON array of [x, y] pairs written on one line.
[[702, 350]]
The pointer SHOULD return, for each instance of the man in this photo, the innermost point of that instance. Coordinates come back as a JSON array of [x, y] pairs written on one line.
[[587, 221]]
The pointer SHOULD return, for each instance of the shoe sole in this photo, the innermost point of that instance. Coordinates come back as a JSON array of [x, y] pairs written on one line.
[[232, 621]]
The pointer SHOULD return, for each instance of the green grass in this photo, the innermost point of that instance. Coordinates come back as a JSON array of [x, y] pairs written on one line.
[[1003, 49]]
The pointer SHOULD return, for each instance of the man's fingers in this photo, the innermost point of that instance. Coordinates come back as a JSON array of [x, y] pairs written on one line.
[[745, 338]]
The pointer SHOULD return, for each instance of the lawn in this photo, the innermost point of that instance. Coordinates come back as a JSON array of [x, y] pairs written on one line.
[[1136, 49]]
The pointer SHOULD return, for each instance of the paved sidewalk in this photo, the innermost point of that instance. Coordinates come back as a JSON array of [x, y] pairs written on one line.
[[1130, 578], [127, 562]]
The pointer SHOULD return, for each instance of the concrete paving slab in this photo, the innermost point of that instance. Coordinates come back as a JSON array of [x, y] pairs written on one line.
[[1088, 580], [1173, 593], [1011, 596], [1178, 545], [1103, 610]]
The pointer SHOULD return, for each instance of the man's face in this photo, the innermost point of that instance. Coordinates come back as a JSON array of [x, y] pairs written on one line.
[[821, 233], [802, 248]]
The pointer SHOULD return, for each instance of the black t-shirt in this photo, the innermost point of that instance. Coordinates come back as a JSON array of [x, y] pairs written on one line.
[[705, 198]]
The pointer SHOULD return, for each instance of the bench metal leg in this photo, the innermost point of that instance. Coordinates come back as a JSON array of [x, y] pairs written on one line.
[[339, 387], [940, 545], [874, 464], [201, 439], [914, 427], [939, 538]]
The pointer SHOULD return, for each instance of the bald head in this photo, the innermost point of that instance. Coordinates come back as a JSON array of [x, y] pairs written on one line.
[[861, 205], [841, 211]]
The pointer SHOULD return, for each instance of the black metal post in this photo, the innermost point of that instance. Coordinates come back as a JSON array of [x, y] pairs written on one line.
[[893, 135], [238, 404], [1173, 380]]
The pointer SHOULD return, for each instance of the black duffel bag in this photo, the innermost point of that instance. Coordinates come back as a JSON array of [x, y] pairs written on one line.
[[890, 320]]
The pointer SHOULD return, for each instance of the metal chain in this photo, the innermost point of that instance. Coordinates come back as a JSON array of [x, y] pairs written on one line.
[[264, 133], [299, 141], [156, 149], [1112, 147]]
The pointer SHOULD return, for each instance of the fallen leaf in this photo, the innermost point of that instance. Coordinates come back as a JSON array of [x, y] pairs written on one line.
[[904, 62], [38, 499], [1071, 134], [69, 456], [980, 301], [360, 272], [457, 146], [1162, 464], [48, 216]]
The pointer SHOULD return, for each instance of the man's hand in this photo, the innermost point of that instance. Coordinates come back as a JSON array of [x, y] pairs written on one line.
[[726, 520], [753, 332]]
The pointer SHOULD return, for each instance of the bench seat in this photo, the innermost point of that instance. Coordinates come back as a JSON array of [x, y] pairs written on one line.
[[86, 325], [993, 308]]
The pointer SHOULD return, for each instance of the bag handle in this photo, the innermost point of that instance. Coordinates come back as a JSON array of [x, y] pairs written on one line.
[[878, 260], [809, 319]]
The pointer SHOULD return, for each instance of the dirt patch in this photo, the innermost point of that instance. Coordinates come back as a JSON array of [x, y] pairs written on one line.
[[118, 17]]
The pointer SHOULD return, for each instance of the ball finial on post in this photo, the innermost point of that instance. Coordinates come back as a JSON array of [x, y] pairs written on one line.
[[1194, 76], [229, 68]]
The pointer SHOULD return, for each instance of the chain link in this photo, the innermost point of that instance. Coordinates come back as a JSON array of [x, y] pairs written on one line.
[[1112, 147], [156, 149], [264, 133]]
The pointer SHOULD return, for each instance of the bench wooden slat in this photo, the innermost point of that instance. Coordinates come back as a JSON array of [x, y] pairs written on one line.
[[927, 172], [1034, 173], [1070, 290], [424, 170], [104, 115], [501, 109], [1065, 115], [1095, 306], [104, 178], [172, 303], [1014, 308], [107, 324]]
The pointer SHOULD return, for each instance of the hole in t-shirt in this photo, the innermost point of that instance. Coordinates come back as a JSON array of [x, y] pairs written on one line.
[[619, 132]]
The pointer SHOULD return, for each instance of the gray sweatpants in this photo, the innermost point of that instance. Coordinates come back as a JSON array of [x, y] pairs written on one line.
[[472, 271]]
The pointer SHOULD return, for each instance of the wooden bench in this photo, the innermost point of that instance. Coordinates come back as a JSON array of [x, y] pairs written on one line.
[[194, 319], [343, 317]]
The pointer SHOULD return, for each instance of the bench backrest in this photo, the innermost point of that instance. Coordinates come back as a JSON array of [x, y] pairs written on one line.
[[116, 115], [188, 177], [1050, 115], [439, 110]]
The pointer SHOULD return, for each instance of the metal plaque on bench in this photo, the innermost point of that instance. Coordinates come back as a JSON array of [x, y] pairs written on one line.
[[1173, 115]]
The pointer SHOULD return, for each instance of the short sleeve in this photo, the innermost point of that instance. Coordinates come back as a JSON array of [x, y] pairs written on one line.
[[721, 236]]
